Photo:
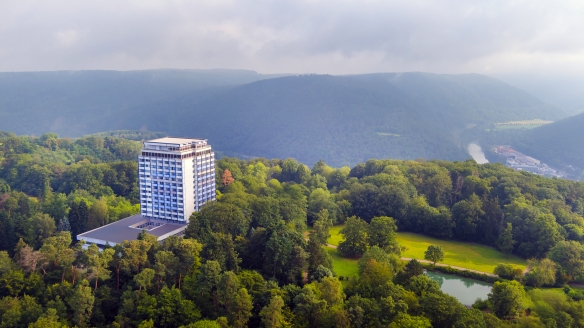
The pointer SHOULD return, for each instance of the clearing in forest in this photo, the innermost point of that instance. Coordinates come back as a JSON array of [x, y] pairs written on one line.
[[456, 253]]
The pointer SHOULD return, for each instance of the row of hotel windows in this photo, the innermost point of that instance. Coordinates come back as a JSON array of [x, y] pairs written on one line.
[[168, 213], [147, 193], [144, 167], [209, 164], [199, 165], [164, 216], [152, 180]]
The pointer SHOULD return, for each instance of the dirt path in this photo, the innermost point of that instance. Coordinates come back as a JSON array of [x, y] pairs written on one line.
[[576, 285]]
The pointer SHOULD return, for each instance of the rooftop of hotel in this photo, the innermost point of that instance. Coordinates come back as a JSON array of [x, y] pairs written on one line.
[[175, 144], [176, 141]]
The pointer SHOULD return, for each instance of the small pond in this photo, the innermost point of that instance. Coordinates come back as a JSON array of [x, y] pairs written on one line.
[[464, 289]]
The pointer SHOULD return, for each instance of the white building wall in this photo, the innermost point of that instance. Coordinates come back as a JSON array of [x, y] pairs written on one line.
[[189, 190]]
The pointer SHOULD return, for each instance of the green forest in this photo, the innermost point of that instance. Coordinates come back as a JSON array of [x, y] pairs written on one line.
[[245, 259]]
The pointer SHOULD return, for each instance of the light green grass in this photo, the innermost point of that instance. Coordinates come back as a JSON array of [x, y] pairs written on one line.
[[343, 266], [456, 253], [336, 237]]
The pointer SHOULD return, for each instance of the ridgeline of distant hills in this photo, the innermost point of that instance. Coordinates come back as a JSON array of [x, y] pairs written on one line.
[[340, 119]]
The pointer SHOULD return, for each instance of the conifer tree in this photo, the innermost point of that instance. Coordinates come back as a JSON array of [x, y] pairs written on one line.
[[506, 242], [73, 218], [64, 225]]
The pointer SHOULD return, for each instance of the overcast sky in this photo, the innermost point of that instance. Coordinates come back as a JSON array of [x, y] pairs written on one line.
[[336, 37]]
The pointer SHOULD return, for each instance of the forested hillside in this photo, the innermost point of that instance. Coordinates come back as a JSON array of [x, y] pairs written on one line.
[[349, 119], [76, 103], [245, 260], [558, 144], [340, 119]]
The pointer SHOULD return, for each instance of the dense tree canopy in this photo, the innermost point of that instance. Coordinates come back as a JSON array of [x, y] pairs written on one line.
[[245, 260]]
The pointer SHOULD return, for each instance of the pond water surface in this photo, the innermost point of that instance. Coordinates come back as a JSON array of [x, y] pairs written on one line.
[[464, 289]]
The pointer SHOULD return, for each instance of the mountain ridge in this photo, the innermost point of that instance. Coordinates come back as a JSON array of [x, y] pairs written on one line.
[[340, 119]]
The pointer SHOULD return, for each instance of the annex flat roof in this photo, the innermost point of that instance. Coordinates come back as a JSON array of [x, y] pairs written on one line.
[[117, 232]]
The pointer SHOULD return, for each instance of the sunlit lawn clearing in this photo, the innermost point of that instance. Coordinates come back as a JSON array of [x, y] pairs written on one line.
[[456, 253], [343, 266]]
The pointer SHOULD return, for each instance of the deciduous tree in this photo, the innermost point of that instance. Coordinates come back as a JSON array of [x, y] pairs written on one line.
[[382, 233], [570, 256], [227, 178], [434, 254], [355, 237], [507, 298]]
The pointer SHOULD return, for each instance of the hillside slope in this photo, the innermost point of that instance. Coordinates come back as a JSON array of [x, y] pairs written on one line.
[[75, 103], [340, 119], [347, 119], [558, 144]]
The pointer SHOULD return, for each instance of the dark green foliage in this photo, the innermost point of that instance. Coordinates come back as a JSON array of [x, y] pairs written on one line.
[[320, 273], [443, 310], [570, 256], [507, 298], [412, 269], [355, 237], [248, 248], [508, 271]]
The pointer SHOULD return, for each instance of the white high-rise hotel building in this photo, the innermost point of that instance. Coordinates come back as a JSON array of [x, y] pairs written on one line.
[[176, 177]]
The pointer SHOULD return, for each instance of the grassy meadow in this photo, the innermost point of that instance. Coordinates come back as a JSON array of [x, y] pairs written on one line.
[[466, 255], [456, 253], [343, 266]]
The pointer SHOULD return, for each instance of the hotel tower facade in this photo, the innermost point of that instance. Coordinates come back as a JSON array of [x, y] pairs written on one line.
[[176, 177]]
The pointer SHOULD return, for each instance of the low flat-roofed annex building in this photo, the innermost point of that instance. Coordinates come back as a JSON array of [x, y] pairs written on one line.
[[176, 177], [129, 228]]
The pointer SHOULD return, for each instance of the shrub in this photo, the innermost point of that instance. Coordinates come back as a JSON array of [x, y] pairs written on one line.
[[481, 304], [508, 271]]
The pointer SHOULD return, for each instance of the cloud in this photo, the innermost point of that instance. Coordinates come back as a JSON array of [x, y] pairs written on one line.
[[67, 38], [337, 37]]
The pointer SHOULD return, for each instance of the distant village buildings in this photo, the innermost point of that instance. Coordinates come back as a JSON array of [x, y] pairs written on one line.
[[522, 162]]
